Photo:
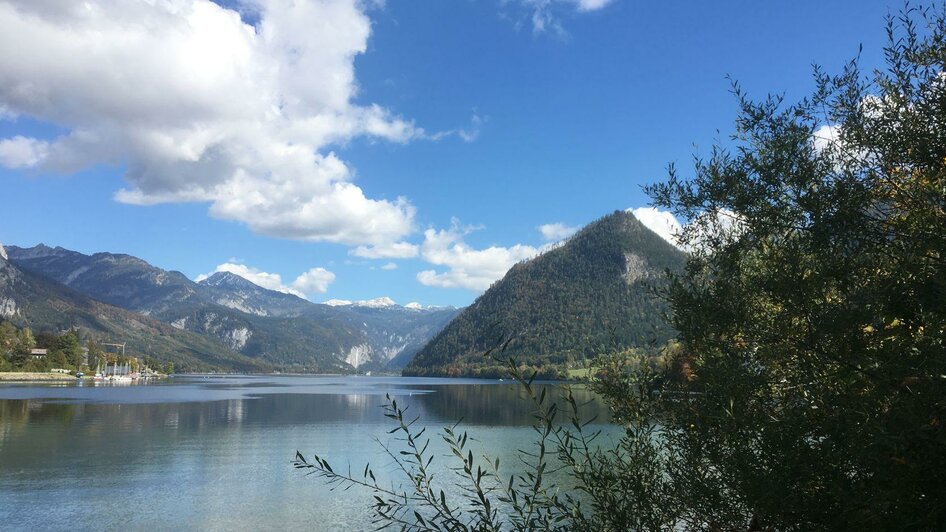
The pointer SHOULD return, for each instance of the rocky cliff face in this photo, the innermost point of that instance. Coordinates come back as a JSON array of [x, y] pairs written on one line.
[[8, 277]]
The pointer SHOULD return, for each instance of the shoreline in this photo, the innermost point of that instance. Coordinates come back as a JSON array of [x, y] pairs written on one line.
[[26, 376], [32, 376]]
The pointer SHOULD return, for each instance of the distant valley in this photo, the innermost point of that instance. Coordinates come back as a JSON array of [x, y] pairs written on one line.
[[268, 329]]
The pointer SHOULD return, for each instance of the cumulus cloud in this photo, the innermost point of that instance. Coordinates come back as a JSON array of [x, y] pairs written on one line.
[[556, 231], [198, 105], [22, 152], [664, 223], [315, 280], [545, 15], [389, 266], [825, 136], [473, 269]]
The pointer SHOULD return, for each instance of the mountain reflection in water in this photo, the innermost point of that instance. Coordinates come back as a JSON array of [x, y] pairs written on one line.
[[214, 453]]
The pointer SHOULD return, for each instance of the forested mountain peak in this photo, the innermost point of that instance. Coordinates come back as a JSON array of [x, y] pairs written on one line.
[[592, 293]]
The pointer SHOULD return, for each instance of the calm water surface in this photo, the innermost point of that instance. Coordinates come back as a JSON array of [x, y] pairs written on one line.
[[214, 453]]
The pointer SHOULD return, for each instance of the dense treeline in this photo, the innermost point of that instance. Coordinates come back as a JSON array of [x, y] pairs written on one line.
[[68, 350], [592, 294]]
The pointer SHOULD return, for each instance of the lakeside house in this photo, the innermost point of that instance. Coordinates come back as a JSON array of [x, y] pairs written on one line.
[[38, 354]]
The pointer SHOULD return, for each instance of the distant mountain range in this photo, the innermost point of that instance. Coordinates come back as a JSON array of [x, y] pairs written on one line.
[[590, 295], [31, 300], [269, 328]]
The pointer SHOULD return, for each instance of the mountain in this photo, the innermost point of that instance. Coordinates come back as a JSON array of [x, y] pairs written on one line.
[[31, 300], [232, 291], [120, 280], [380, 334], [281, 329], [572, 302]]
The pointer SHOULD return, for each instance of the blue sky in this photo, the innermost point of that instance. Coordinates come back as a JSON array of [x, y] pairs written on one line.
[[484, 123]]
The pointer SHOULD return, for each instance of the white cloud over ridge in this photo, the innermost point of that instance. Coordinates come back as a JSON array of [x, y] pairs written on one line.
[[664, 223], [315, 280], [476, 269], [556, 231], [197, 105], [469, 268], [710, 225]]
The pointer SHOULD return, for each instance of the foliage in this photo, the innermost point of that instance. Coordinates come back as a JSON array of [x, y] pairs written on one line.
[[813, 313], [564, 306]]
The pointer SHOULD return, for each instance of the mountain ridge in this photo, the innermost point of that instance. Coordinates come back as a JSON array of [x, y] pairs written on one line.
[[28, 299], [291, 333]]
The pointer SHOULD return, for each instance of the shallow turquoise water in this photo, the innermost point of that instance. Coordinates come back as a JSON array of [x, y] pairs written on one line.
[[214, 453]]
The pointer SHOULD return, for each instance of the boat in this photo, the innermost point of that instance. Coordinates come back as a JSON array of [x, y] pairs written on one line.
[[120, 374]]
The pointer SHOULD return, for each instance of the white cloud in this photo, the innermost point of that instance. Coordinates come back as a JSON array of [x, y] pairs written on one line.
[[197, 105], [468, 134], [316, 280], [664, 223], [545, 15], [473, 269], [723, 224], [389, 266], [22, 152], [556, 231], [271, 281], [592, 5], [826, 136], [395, 250]]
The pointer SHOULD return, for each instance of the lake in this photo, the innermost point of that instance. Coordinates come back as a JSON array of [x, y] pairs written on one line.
[[214, 453]]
